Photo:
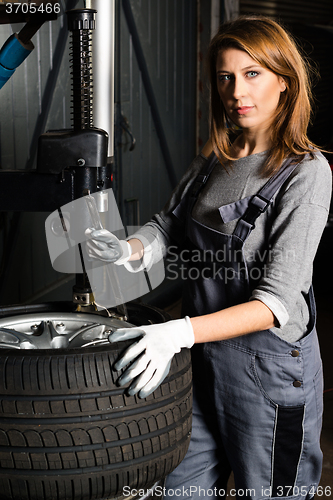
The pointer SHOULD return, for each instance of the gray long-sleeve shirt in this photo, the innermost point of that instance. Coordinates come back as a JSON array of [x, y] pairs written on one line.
[[286, 236]]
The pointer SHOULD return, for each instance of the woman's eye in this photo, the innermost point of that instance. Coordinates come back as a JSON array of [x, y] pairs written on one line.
[[252, 74], [224, 78]]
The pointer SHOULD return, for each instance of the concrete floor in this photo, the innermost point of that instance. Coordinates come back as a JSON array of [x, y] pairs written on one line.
[[325, 334]]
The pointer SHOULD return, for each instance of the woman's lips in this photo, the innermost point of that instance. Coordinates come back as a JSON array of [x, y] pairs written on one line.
[[244, 109]]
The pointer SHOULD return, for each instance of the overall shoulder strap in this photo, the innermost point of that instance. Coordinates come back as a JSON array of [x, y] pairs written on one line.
[[203, 176], [261, 201], [187, 202]]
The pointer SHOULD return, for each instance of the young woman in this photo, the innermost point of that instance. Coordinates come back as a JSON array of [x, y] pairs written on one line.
[[252, 212]]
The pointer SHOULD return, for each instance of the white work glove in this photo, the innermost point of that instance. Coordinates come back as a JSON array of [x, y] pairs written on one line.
[[152, 354], [106, 247]]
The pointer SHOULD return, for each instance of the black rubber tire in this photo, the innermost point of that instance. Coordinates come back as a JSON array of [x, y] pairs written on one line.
[[67, 432]]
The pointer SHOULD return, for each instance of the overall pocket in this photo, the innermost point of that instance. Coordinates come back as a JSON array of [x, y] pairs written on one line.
[[281, 382], [280, 378]]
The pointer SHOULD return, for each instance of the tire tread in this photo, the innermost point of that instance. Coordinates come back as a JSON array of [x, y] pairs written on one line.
[[52, 449]]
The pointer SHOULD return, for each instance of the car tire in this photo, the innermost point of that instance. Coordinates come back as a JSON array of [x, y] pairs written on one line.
[[68, 432]]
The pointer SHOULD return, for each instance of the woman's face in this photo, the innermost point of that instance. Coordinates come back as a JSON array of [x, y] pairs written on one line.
[[250, 93]]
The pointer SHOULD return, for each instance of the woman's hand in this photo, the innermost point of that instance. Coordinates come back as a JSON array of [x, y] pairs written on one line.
[[152, 354], [106, 247]]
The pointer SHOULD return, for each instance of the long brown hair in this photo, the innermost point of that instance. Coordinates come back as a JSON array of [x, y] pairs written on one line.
[[273, 48]]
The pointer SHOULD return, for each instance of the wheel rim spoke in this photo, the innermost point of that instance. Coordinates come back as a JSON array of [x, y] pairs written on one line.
[[57, 330]]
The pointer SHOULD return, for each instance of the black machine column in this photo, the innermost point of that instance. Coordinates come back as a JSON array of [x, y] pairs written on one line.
[[84, 148], [70, 162]]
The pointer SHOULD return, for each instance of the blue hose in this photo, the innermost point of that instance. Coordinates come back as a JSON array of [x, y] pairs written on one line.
[[12, 54]]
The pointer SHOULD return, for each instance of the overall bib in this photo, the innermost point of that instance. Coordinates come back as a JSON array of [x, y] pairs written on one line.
[[257, 406]]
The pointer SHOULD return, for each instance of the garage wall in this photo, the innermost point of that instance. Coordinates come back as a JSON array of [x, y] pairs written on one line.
[[295, 11], [167, 35]]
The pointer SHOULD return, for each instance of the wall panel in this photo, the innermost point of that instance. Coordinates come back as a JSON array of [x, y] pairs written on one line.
[[167, 31]]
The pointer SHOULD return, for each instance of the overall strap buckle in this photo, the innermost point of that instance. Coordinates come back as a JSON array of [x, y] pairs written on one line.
[[257, 206], [261, 201]]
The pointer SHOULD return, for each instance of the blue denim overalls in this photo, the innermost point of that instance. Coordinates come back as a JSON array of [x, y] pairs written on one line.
[[257, 406]]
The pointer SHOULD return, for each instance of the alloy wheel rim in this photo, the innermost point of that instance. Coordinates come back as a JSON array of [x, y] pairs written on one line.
[[57, 330]]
